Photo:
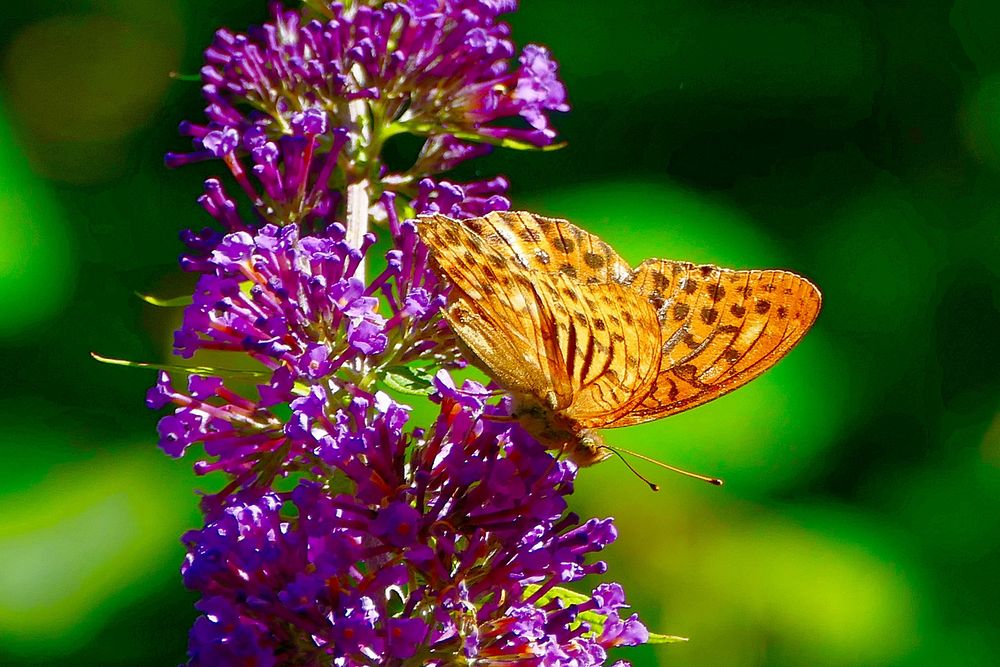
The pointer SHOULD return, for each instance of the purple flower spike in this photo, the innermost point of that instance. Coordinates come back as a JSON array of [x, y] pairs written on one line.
[[283, 107], [409, 530], [345, 533]]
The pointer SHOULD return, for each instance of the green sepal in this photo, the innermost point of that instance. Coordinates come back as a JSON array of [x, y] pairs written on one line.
[[412, 380]]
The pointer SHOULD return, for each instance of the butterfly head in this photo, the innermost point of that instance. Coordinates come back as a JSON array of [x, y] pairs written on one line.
[[582, 446], [587, 449]]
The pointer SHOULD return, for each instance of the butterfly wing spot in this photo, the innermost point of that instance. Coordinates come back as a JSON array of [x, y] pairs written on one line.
[[709, 315], [660, 282], [529, 235], [738, 310], [568, 270], [681, 311], [716, 292], [563, 244], [762, 306], [686, 372], [673, 392]]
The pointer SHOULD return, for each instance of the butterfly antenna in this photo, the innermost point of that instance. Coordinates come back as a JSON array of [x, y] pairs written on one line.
[[715, 481], [652, 486]]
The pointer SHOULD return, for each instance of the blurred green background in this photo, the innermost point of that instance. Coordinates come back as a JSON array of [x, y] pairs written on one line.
[[856, 143]]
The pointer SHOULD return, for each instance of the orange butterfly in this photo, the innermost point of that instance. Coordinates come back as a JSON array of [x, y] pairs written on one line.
[[583, 341]]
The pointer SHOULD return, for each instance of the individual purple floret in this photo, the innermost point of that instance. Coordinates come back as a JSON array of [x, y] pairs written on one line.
[[436, 548]]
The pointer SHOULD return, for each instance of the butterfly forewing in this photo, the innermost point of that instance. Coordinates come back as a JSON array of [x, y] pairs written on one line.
[[497, 313], [720, 329], [550, 245]]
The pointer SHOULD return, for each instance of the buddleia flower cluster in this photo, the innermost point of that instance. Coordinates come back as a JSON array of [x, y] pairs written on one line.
[[344, 533]]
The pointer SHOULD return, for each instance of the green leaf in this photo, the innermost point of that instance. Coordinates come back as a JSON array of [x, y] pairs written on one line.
[[655, 638], [177, 76], [557, 593], [191, 370], [505, 142], [176, 302], [409, 380], [595, 620]]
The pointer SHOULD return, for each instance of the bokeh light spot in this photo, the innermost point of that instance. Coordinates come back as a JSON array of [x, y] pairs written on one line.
[[81, 85], [37, 261], [96, 529]]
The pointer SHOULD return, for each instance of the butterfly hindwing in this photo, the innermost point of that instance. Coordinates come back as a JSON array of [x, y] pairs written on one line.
[[720, 329], [607, 338]]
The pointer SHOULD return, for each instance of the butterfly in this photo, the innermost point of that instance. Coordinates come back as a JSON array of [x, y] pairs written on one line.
[[583, 341]]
